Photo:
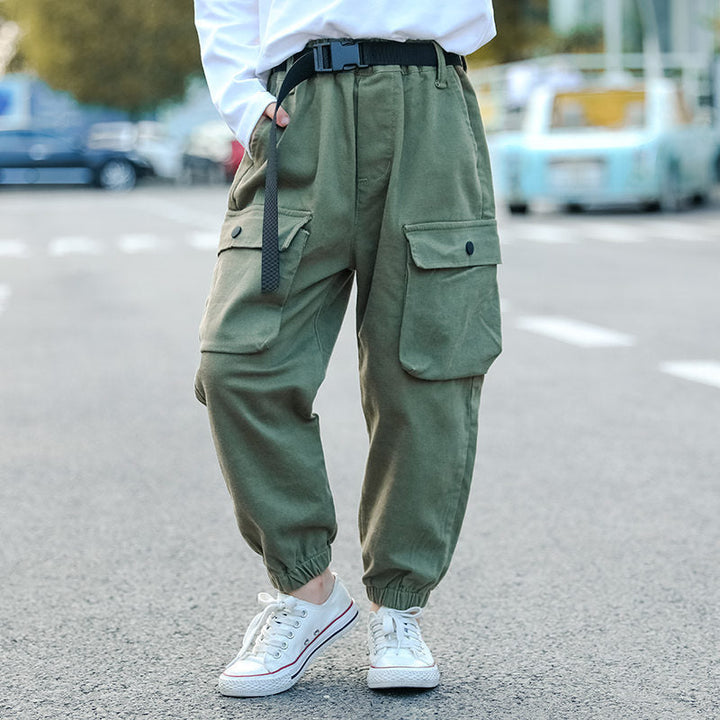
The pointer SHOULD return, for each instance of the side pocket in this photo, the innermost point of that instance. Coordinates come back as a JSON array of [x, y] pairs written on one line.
[[451, 317], [243, 168], [484, 169], [238, 318], [250, 174]]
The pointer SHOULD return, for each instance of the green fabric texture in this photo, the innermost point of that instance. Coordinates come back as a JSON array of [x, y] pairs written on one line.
[[385, 180]]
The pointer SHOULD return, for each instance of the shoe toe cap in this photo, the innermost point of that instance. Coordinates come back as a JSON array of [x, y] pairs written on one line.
[[244, 668], [402, 658]]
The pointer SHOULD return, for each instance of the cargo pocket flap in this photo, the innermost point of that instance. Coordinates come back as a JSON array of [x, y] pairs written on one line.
[[464, 243], [243, 229]]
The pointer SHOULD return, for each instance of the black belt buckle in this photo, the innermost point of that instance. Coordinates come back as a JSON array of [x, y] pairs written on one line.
[[337, 55]]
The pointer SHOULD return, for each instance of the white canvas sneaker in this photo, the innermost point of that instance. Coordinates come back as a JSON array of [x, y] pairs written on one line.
[[283, 639], [398, 656]]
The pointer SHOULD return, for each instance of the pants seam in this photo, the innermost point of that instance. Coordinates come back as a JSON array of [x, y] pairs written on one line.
[[467, 468], [324, 355]]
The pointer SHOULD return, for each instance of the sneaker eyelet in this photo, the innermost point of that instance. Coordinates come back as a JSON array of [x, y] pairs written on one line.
[[277, 655], [296, 624], [291, 634], [284, 646], [315, 632], [303, 613]]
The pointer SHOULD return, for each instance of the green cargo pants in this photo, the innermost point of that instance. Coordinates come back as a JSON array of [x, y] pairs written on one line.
[[385, 178]]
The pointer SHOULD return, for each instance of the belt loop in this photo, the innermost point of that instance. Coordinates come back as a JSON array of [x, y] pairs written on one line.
[[441, 77]]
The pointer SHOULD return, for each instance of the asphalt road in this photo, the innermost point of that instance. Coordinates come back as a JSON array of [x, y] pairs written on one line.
[[586, 581]]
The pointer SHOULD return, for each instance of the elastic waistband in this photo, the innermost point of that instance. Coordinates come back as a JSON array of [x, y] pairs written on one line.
[[336, 55]]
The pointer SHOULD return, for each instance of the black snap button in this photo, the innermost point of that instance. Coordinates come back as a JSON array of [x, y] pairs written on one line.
[[236, 231], [469, 248]]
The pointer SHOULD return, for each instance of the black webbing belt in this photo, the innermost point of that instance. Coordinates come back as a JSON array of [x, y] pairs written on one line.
[[331, 56]]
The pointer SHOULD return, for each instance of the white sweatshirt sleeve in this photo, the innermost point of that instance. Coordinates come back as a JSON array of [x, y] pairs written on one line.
[[229, 34]]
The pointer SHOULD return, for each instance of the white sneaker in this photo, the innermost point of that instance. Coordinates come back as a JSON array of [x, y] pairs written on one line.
[[398, 655], [283, 639]]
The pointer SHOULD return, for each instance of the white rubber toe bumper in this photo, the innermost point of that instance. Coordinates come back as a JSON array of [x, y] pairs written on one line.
[[284, 639], [399, 658], [380, 678]]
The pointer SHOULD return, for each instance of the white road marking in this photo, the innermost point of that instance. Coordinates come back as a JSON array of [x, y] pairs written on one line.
[[612, 232], [701, 371], [77, 245], [676, 230], [575, 332], [4, 296], [138, 243], [561, 233], [13, 248], [204, 240], [567, 231], [549, 234]]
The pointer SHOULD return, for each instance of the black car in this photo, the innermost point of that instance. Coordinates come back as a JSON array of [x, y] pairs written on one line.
[[31, 157]]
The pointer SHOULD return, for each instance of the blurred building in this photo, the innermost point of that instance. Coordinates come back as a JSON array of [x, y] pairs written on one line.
[[684, 26], [677, 37], [687, 25], [567, 15]]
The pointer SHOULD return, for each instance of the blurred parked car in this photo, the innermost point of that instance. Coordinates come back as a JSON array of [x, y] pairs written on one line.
[[599, 145], [30, 157], [148, 139], [212, 154]]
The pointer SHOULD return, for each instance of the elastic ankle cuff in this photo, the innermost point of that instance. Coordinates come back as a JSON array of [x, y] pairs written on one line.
[[291, 579], [397, 598]]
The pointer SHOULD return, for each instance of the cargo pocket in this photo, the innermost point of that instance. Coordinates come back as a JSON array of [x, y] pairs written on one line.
[[238, 318], [451, 317]]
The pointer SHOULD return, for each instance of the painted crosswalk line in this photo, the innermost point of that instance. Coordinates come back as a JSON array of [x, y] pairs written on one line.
[[569, 231], [706, 372], [13, 248], [575, 332], [679, 231], [138, 243], [612, 232], [75, 245], [547, 234], [561, 233], [4, 296], [204, 240]]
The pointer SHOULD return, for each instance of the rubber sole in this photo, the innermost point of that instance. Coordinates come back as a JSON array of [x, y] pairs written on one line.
[[398, 677]]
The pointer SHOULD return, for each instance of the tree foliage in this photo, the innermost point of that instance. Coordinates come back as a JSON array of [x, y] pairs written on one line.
[[523, 29], [128, 54], [582, 39]]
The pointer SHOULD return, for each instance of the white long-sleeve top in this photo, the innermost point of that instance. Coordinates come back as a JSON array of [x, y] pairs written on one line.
[[242, 40]]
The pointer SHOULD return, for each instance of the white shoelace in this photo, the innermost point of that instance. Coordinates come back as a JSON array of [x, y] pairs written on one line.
[[270, 630], [397, 629]]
